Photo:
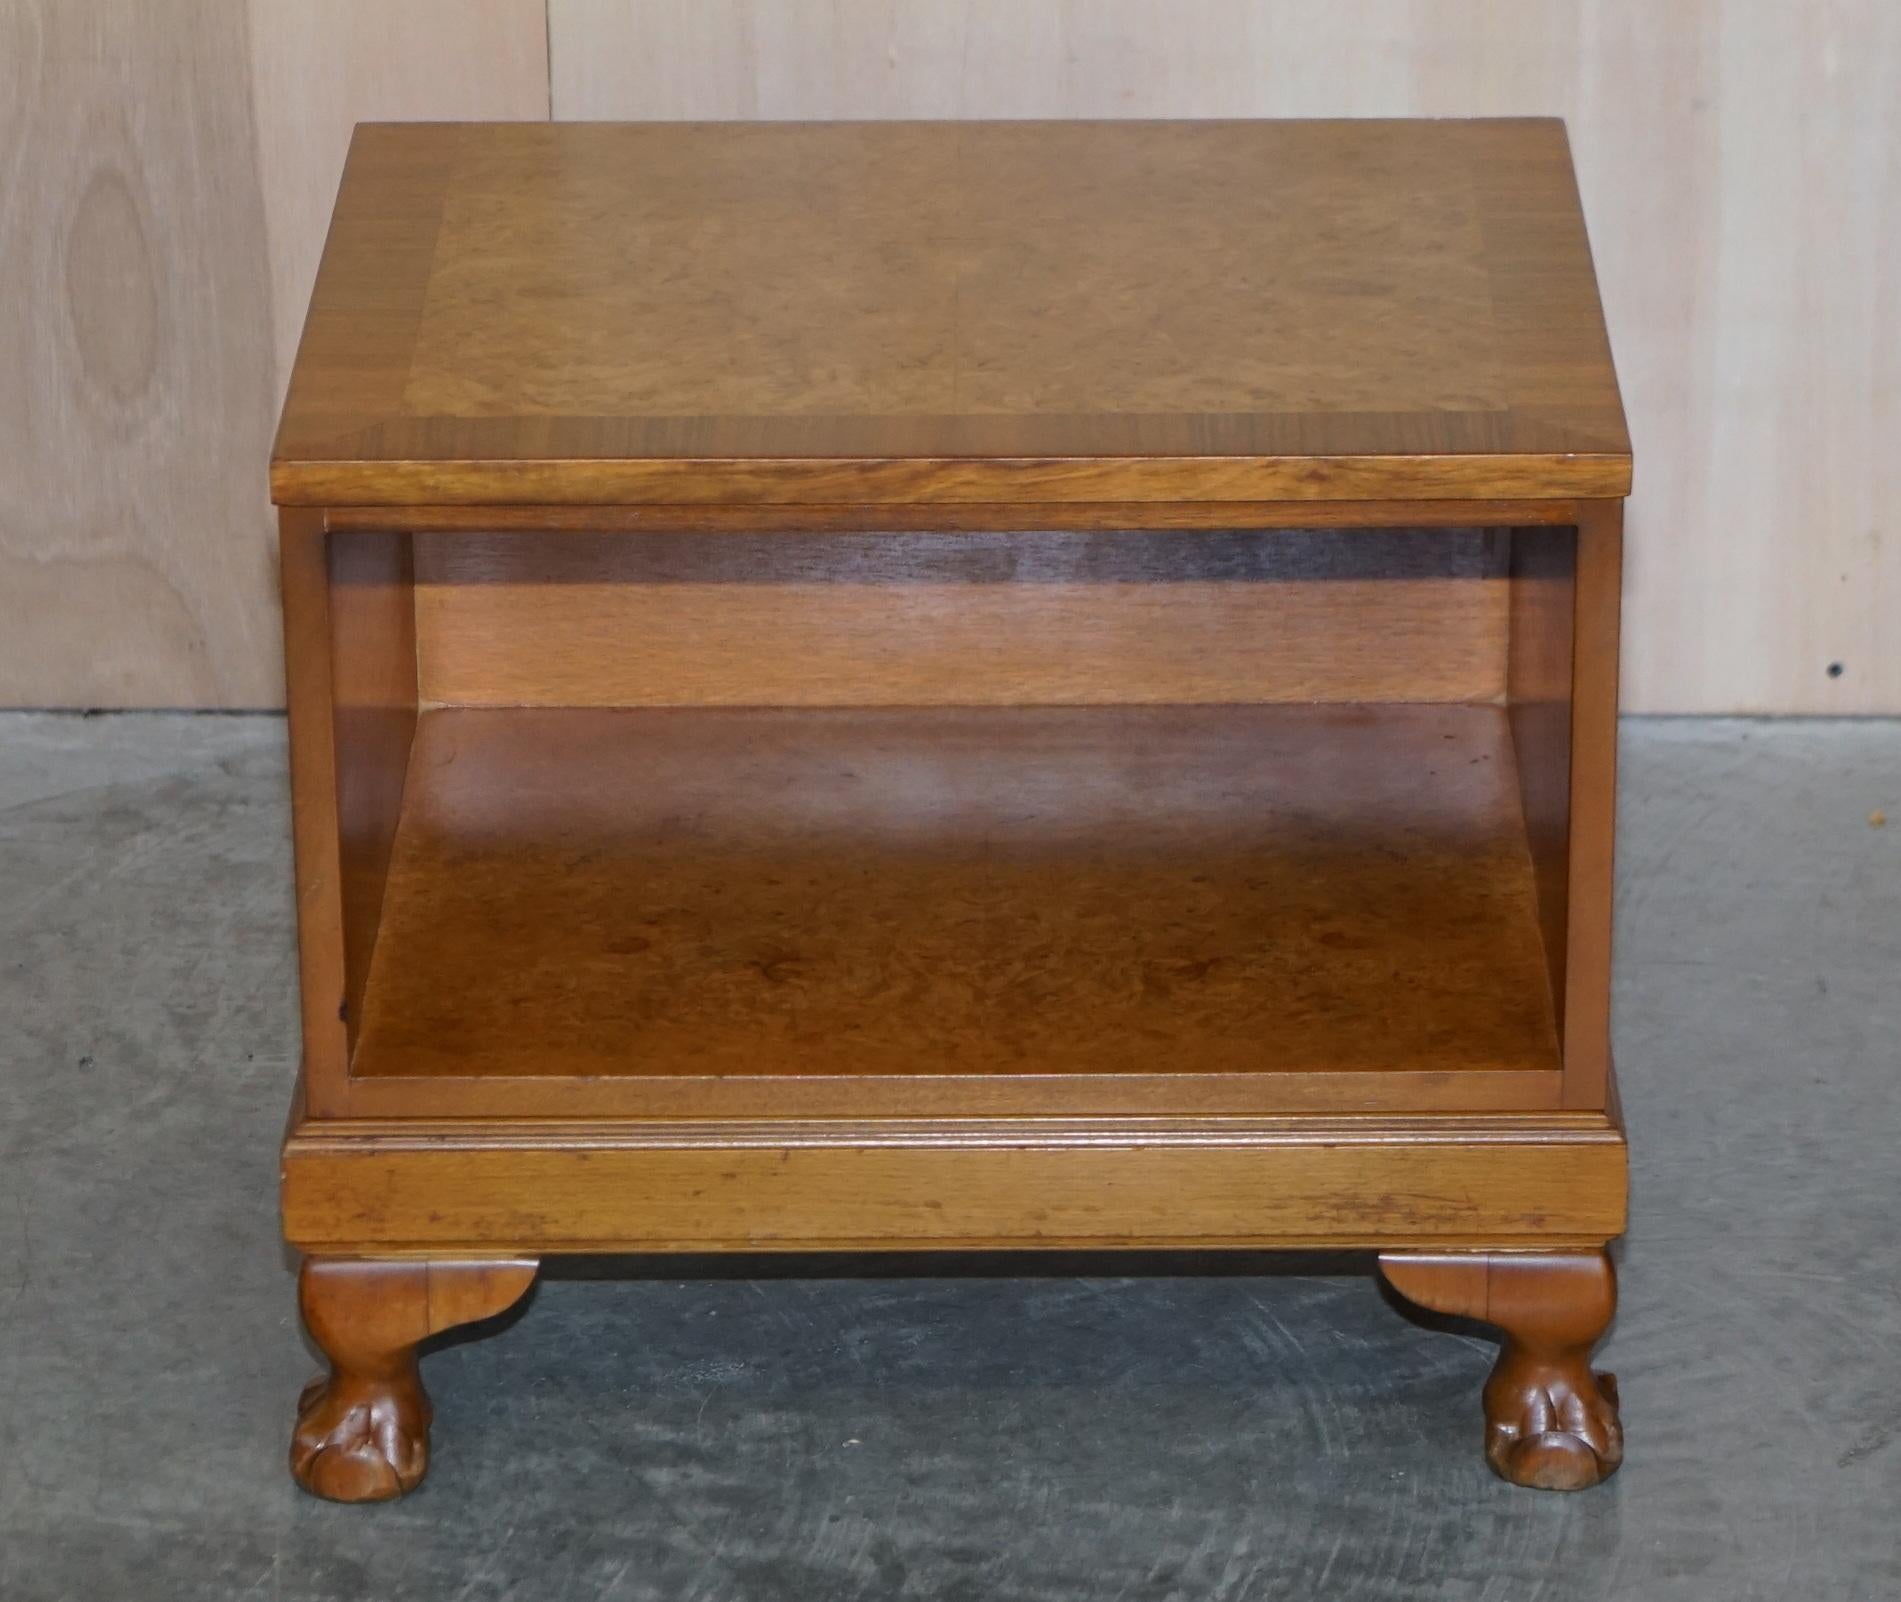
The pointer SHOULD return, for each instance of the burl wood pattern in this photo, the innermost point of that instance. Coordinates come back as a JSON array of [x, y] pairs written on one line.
[[920, 290], [1038, 890], [1551, 1423], [363, 1430], [950, 312]]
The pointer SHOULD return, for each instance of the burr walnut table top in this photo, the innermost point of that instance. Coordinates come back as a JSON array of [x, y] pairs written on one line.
[[514, 314]]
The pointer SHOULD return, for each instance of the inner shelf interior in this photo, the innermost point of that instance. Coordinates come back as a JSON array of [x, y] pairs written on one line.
[[629, 891]]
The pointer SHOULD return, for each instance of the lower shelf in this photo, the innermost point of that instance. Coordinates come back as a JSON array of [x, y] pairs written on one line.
[[1001, 893]]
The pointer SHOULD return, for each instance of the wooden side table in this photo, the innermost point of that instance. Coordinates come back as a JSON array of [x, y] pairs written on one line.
[[948, 686]]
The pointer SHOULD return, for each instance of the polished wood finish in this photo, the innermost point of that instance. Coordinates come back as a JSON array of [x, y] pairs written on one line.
[[350, 667], [1565, 588], [1147, 828], [375, 690], [1052, 618], [1013, 312], [774, 1184], [1586, 1016], [900, 893], [316, 833], [1550, 1422], [1543, 591], [363, 1429], [1185, 1093], [964, 517]]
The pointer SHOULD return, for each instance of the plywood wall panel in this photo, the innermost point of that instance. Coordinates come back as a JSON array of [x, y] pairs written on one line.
[[166, 171], [1741, 165], [135, 384]]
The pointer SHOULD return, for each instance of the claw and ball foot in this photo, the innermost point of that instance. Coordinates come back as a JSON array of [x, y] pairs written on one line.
[[1550, 1422], [363, 1430]]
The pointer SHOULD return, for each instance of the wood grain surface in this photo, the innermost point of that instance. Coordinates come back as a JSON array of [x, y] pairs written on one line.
[[1460, 1183], [948, 312], [1044, 891], [1544, 598], [966, 517], [1596, 638], [373, 686], [135, 385], [167, 168], [329, 895], [919, 619]]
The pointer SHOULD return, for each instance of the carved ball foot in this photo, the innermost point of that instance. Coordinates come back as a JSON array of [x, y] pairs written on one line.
[[360, 1440], [363, 1430], [1552, 1429], [1550, 1423]]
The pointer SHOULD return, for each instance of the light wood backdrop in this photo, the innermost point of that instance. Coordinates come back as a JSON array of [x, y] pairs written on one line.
[[166, 168], [166, 173]]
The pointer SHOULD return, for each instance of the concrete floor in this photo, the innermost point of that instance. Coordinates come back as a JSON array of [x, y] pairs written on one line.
[[1195, 1429]]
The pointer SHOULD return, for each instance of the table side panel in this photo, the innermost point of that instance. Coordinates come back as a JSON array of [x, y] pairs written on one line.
[[1596, 631], [349, 608], [373, 620], [309, 654], [1543, 565]]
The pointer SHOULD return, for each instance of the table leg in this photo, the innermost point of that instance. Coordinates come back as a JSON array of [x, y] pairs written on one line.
[[1550, 1421], [363, 1430]]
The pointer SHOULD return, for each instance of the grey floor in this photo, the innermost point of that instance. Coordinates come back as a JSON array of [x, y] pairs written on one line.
[[1199, 1429]]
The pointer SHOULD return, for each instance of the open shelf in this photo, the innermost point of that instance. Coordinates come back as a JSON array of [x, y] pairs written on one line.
[[658, 893]]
